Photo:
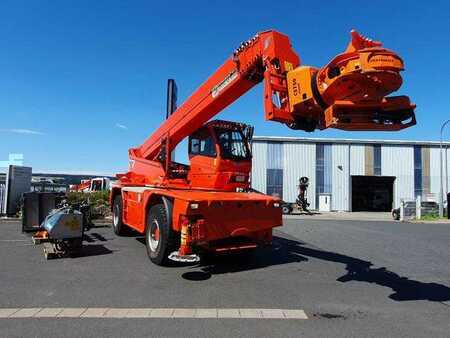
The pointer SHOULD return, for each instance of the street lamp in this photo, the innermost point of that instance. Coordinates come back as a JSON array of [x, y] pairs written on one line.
[[441, 190]]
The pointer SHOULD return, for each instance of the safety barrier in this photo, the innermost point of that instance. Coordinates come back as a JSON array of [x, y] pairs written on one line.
[[416, 209]]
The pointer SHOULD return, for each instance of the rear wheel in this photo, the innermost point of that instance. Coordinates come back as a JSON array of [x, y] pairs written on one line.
[[160, 239], [118, 226]]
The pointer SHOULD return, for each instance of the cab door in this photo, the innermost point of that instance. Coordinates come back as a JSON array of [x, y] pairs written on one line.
[[202, 156]]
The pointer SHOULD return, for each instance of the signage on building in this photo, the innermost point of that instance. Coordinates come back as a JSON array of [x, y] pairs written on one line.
[[18, 181], [13, 159]]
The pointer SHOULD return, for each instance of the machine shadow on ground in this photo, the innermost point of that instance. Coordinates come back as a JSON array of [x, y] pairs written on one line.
[[288, 250], [92, 246], [93, 250]]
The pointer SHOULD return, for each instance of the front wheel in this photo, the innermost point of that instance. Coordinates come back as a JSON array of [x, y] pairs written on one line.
[[286, 209], [160, 239], [396, 214]]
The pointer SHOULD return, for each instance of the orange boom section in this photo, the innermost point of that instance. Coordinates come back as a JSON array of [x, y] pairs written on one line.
[[351, 91]]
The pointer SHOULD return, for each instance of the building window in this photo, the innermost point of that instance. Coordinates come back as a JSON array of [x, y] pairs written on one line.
[[377, 159], [274, 172], [275, 182], [323, 169], [418, 171]]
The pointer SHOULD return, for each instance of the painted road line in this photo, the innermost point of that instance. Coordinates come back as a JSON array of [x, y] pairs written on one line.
[[71, 312], [139, 313], [206, 313], [25, 312], [199, 313], [250, 313], [183, 313], [48, 312], [161, 313], [94, 312], [5, 313], [295, 314], [272, 313], [228, 313], [116, 313]]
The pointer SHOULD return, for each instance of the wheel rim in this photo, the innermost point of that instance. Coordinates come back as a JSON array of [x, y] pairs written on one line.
[[153, 235], [116, 216]]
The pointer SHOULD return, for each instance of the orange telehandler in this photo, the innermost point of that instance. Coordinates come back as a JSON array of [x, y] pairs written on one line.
[[209, 204]]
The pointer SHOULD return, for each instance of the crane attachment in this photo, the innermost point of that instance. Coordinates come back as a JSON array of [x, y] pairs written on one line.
[[350, 92]]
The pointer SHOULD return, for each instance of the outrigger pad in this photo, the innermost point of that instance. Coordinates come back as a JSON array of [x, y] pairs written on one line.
[[176, 257]]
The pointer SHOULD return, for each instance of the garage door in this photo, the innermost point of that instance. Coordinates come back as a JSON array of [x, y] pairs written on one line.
[[372, 193]]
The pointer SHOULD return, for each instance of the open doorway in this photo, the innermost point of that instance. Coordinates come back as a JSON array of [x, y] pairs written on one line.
[[372, 193]]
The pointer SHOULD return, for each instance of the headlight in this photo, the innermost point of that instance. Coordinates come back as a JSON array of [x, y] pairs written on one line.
[[276, 205]]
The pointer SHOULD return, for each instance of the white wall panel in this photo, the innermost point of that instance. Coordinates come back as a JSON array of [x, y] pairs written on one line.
[[398, 161], [357, 159], [340, 177], [274, 155], [259, 166], [446, 174], [299, 160], [434, 172]]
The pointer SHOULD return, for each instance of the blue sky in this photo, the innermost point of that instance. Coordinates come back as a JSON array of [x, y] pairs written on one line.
[[83, 81]]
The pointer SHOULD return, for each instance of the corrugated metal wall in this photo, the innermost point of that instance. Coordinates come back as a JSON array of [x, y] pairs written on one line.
[[299, 160], [340, 177], [448, 168], [434, 172], [328, 168], [357, 159], [398, 161], [275, 155], [426, 179], [259, 166], [274, 173]]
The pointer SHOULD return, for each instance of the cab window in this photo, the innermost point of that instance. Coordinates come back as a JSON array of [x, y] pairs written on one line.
[[202, 143], [233, 144]]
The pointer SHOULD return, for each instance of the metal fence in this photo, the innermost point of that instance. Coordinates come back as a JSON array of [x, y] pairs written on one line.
[[2, 198], [409, 209]]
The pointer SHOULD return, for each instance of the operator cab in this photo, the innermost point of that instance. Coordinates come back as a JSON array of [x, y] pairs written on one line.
[[220, 156]]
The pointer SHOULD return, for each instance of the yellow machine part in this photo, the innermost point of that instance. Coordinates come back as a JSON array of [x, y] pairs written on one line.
[[300, 92]]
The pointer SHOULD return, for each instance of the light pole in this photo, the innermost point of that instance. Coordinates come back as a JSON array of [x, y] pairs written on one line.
[[441, 190]]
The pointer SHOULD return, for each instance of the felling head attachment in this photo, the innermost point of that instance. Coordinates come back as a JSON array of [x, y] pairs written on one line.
[[351, 91]]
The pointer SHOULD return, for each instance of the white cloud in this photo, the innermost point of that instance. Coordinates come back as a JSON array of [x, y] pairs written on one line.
[[23, 131], [121, 126]]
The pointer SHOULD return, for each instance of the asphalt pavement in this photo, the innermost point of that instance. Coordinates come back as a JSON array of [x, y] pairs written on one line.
[[350, 278]]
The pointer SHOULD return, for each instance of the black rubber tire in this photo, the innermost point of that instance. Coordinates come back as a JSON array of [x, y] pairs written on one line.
[[117, 222], [396, 214], [286, 209], [168, 238]]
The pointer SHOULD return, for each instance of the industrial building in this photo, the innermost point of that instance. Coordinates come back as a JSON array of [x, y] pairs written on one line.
[[350, 175]]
